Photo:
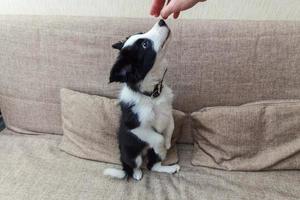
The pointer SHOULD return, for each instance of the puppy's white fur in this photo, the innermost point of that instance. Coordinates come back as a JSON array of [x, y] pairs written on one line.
[[154, 114]]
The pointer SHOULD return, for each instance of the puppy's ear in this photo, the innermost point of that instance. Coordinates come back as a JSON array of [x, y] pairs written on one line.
[[120, 70], [118, 45]]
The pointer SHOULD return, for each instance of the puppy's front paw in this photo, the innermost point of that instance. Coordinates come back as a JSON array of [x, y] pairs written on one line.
[[168, 145], [176, 168], [163, 153]]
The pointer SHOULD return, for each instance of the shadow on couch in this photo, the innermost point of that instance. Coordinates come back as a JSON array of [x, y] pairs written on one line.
[[2, 126]]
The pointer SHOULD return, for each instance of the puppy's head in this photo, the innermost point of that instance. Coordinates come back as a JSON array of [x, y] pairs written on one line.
[[138, 54]]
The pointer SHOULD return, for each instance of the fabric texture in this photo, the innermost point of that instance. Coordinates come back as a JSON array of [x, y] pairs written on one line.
[[255, 136], [211, 63], [90, 125], [33, 168]]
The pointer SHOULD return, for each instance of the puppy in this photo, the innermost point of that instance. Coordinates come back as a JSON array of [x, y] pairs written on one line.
[[146, 123]]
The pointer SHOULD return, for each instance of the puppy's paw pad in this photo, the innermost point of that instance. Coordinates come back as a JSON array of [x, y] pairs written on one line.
[[137, 174]]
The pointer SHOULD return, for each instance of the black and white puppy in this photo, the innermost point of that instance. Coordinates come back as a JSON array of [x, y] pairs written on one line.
[[146, 124]]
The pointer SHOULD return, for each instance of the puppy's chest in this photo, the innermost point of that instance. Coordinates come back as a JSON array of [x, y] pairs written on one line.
[[153, 114]]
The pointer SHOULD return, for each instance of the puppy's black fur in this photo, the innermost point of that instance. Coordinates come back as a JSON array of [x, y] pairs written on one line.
[[137, 55], [131, 66], [133, 62], [129, 144]]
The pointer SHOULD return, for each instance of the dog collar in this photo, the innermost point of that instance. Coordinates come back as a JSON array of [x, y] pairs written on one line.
[[157, 88]]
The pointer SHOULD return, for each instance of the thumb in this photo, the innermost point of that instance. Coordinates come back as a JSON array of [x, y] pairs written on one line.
[[167, 11]]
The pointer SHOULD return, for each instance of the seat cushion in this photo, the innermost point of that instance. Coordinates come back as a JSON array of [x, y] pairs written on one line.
[[33, 168]]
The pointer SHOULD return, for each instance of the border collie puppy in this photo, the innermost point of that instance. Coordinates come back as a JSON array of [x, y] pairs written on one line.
[[146, 123]]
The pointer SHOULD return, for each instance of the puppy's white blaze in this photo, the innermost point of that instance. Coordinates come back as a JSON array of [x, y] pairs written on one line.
[[158, 34], [115, 173]]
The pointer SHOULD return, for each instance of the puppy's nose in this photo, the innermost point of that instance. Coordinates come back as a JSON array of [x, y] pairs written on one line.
[[162, 23]]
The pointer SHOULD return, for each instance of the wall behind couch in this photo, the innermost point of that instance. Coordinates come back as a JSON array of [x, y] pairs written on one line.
[[212, 9]]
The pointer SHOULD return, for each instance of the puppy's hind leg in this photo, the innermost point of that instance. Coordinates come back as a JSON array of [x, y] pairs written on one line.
[[154, 164], [154, 139], [137, 172], [168, 133]]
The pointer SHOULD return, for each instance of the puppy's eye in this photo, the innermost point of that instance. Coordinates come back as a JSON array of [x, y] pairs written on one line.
[[145, 44]]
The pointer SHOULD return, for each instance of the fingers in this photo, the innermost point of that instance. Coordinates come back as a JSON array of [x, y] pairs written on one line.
[[173, 7], [167, 11], [156, 7], [176, 15]]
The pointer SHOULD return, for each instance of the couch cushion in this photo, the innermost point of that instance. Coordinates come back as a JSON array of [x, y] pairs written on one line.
[[90, 125], [255, 136], [33, 168], [210, 63]]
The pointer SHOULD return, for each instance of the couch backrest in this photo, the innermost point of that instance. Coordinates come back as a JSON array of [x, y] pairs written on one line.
[[210, 63]]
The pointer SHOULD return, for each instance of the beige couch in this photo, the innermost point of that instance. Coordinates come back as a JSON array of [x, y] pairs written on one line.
[[210, 63]]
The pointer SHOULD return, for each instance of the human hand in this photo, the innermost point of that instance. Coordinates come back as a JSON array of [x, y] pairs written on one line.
[[173, 6]]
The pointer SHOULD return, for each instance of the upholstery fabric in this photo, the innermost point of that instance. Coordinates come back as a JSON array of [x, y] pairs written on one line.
[[255, 136], [33, 168], [211, 63], [90, 125]]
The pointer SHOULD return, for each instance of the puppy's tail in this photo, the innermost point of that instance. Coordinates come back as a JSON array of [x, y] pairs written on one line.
[[115, 173]]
